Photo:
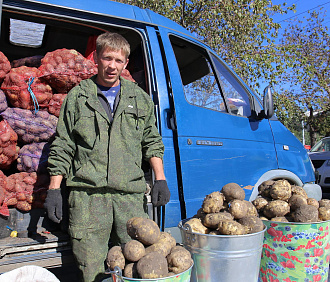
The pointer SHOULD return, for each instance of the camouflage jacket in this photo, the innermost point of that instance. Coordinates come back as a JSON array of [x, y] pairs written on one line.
[[89, 151]]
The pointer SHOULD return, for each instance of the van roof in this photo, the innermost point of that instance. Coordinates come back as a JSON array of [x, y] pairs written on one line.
[[118, 10]]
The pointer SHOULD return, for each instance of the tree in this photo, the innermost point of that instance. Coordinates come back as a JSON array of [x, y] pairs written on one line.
[[242, 32], [305, 50]]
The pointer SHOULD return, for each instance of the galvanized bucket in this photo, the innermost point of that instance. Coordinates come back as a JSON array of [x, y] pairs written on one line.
[[116, 276], [295, 251], [223, 258]]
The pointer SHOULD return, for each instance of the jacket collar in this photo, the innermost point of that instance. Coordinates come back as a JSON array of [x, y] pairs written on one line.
[[126, 98]]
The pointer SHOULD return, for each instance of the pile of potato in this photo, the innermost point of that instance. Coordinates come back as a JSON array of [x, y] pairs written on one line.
[[8, 145], [226, 213], [150, 254], [18, 85], [3, 101], [4, 66], [31, 127], [65, 68], [24, 190], [33, 157], [55, 104], [280, 201]]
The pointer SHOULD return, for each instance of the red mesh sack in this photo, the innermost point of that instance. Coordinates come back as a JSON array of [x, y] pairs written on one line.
[[126, 74], [33, 157], [26, 190], [4, 66], [34, 61], [25, 90], [29, 126], [3, 183], [55, 104], [64, 69], [8, 145], [3, 101]]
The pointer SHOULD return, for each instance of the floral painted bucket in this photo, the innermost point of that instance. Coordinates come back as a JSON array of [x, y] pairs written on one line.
[[295, 252]]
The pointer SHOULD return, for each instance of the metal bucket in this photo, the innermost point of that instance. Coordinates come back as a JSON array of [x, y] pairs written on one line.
[[223, 258], [116, 276], [295, 252]]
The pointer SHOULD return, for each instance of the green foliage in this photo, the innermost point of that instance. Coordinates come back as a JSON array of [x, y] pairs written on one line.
[[305, 50], [242, 32]]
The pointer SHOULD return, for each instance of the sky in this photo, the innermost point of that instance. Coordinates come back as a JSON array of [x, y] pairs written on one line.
[[302, 8]]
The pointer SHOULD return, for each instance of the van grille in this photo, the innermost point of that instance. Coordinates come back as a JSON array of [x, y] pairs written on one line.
[[317, 163]]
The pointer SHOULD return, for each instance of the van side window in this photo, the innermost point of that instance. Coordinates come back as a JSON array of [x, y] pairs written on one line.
[[200, 84], [235, 95], [25, 33]]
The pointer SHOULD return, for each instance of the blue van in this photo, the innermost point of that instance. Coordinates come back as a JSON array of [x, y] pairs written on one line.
[[215, 129]]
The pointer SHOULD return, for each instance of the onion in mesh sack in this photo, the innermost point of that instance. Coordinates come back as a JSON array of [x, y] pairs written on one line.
[[31, 127], [8, 145], [24, 89], [33, 157], [4, 66], [65, 68]]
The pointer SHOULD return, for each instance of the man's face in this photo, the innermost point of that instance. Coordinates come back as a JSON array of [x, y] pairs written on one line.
[[110, 65]]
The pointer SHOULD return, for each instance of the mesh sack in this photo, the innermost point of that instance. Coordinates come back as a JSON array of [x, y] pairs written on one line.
[[55, 104], [25, 90], [3, 101], [29, 126], [4, 66], [64, 69], [8, 145], [34, 61], [33, 157], [127, 75], [3, 182], [25, 191]]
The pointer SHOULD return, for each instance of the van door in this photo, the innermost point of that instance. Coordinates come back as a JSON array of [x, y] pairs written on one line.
[[218, 140]]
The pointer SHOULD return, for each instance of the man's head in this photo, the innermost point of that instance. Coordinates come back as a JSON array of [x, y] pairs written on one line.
[[113, 41], [112, 51]]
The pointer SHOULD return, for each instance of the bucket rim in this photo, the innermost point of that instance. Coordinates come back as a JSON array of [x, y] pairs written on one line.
[[295, 223], [182, 222], [158, 279]]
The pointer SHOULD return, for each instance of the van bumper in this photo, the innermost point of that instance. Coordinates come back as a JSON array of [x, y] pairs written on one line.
[[313, 191]]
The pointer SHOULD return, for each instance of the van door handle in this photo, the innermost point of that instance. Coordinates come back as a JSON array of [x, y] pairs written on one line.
[[172, 123]]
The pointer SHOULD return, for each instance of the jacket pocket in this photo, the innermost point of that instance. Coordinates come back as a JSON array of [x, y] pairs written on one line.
[[85, 130], [93, 173], [134, 122]]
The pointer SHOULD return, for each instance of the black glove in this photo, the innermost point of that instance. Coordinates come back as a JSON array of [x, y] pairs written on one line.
[[160, 194], [53, 205]]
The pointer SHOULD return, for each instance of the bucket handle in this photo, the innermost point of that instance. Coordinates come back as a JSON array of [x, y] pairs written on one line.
[[116, 274], [190, 236]]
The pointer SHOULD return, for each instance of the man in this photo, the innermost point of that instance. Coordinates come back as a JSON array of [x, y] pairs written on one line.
[[100, 142]]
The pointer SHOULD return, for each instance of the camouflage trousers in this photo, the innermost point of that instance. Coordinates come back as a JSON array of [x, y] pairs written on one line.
[[95, 216]]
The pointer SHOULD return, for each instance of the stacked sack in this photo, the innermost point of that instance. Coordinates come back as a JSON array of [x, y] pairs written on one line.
[[31, 95], [4, 66]]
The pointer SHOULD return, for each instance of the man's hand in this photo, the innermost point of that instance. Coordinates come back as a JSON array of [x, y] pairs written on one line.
[[160, 194], [53, 205]]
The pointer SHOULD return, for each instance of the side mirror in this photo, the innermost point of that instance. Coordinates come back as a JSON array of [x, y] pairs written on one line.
[[268, 104]]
